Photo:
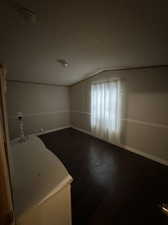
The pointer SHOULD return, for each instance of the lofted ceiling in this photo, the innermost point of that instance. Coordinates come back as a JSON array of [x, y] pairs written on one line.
[[89, 35]]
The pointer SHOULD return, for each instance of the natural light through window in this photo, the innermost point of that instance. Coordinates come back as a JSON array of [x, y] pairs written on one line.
[[105, 110]]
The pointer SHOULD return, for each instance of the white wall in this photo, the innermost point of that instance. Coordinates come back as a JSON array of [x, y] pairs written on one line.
[[43, 106], [146, 117], [145, 120]]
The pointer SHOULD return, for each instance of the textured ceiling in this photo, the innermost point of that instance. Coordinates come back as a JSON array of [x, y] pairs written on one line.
[[90, 35]]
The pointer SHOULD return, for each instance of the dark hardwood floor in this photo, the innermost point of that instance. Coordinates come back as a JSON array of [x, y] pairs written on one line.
[[111, 185]]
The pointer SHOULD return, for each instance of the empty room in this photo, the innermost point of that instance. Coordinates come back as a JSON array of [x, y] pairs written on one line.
[[84, 112]]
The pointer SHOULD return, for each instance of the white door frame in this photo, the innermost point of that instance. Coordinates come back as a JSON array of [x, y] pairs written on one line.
[[6, 203]]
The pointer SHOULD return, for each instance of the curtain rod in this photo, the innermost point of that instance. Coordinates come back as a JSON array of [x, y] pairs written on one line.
[[121, 69]]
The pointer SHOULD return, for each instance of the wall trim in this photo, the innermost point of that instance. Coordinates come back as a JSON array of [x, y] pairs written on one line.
[[146, 155], [43, 132], [76, 111], [117, 69], [159, 125], [38, 114], [129, 120], [52, 130], [92, 74], [128, 148], [36, 83]]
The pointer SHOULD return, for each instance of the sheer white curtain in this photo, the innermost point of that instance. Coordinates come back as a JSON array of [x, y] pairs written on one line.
[[106, 110]]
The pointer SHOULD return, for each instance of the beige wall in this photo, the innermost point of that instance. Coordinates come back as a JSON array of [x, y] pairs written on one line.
[[146, 116], [43, 106]]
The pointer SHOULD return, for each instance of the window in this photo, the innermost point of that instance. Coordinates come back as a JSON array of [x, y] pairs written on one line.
[[105, 110]]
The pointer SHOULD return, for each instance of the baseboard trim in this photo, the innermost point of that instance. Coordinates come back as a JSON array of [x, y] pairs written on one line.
[[52, 130], [146, 155], [128, 148], [41, 133], [82, 130]]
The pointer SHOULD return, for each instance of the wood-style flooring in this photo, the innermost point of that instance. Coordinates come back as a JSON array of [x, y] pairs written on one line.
[[111, 185]]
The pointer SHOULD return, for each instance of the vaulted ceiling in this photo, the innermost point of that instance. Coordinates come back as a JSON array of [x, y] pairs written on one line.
[[89, 35]]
